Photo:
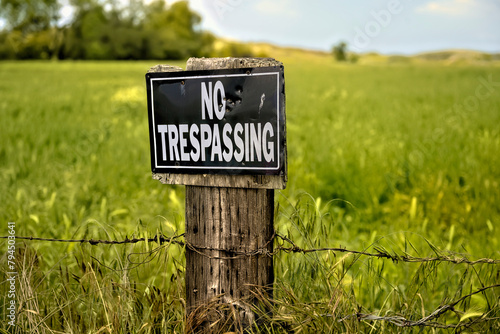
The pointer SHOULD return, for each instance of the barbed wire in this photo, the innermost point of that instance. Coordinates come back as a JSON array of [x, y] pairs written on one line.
[[159, 238], [285, 244], [281, 247], [384, 254], [403, 322], [428, 321]]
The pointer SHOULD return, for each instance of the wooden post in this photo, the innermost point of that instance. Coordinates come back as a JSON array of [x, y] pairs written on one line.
[[225, 226], [229, 232]]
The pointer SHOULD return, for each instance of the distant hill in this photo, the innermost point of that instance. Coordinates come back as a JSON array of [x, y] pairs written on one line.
[[445, 57], [458, 56], [231, 48]]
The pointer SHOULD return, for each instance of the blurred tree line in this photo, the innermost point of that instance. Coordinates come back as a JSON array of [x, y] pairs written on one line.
[[101, 29]]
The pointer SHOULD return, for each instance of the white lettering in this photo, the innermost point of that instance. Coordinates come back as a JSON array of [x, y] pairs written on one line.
[[173, 139], [247, 144], [183, 129], [226, 131], [195, 154], [238, 156], [219, 107], [162, 129], [269, 150], [206, 139], [216, 145], [256, 142], [206, 100]]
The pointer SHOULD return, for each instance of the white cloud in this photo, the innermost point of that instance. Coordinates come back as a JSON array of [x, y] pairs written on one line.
[[282, 7], [448, 7]]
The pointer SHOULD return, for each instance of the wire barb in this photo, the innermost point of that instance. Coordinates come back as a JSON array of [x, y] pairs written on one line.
[[285, 244], [428, 321], [159, 239]]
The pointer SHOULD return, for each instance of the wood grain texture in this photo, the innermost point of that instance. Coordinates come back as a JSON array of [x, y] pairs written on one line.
[[224, 223], [164, 68], [229, 181]]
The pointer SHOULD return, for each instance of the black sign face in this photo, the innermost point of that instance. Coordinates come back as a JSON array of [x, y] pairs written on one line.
[[218, 121]]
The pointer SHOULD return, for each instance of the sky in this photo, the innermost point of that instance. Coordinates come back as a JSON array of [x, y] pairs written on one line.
[[385, 26]]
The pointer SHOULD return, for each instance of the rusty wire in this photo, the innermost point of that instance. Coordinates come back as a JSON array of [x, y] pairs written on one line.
[[231, 254], [428, 321], [284, 244]]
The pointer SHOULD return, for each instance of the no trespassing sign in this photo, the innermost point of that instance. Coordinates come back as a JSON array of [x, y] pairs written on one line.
[[217, 121]]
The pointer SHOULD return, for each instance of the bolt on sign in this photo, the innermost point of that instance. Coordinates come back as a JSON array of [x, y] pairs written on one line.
[[225, 121]]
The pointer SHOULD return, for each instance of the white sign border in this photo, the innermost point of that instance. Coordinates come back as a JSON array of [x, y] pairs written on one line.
[[277, 74]]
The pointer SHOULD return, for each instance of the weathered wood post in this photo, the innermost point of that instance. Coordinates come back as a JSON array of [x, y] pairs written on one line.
[[229, 197]]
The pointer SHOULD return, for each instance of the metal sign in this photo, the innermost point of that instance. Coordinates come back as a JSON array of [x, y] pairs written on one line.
[[217, 121]]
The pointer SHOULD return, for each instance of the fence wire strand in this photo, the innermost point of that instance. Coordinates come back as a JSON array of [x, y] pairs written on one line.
[[285, 244], [428, 321], [292, 247]]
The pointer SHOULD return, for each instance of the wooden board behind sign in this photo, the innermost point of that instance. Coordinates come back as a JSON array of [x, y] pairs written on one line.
[[230, 181]]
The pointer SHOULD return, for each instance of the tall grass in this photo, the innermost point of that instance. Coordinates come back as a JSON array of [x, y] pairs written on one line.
[[379, 158]]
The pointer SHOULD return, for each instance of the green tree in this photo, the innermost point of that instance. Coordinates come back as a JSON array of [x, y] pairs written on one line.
[[29, 16], [102, 29], [30, 28], [339, 51], [86, 33], [174, 33], [97, 33]]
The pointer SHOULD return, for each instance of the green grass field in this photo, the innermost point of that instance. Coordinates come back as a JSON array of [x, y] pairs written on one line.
[[400, 158]]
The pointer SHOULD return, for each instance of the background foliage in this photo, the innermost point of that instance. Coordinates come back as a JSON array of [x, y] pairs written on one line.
[[400, 157], [101, 30]]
